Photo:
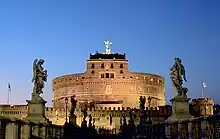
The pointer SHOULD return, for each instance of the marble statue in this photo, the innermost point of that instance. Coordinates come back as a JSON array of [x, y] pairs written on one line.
[[73, 103], [107, 45], [39, 76], [177, 75]]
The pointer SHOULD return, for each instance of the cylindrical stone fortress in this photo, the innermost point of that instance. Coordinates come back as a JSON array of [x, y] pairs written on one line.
[[107, 78]]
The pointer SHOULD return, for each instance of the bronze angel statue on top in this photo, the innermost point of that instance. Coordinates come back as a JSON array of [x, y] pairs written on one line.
[[177, 76], [39, 77]]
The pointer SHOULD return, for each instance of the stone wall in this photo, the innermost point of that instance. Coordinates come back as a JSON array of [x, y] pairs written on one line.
[[100, 114], [203, 106]]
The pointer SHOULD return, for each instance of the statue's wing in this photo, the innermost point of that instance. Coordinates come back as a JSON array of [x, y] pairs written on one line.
[[34, 69], [183, 72]]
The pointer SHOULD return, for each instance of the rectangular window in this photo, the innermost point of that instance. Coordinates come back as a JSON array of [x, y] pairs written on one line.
[[102, 66], [112, 75], [121, 66], [112, 66], [107, 75], [121, 71], [102, 75], [93, 66]]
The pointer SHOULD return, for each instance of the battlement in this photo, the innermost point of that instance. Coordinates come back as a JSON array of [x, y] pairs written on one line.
[[154, 111], [107, 56]]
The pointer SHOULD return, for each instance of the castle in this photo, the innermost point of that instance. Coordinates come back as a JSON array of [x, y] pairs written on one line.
[[108, 82], [110, 90]]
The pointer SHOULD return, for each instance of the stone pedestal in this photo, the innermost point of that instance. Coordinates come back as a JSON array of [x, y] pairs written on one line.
[[180, 109], [36, 109], [72, 119], [84, 124]]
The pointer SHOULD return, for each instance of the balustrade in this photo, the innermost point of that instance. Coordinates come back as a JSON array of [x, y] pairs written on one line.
[[195, 128], [11, 128]]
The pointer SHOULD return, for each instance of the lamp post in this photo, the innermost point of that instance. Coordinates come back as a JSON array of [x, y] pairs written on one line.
[[56, 116], [66, 102], [149, 101], [206, 106]]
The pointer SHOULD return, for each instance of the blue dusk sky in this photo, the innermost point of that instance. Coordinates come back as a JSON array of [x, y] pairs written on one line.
[[150, 32]]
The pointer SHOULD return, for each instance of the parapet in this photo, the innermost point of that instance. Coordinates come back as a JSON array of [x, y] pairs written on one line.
[[163, 111], [107, 56]]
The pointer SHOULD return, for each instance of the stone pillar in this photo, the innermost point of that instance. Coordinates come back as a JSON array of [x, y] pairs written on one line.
[[25, 134], [3, 124], [11, 131], [36, 130], [167, 130], [54, 131], [42, 131]]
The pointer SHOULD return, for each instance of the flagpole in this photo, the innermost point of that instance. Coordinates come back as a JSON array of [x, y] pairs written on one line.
[[9, 90], [8, 97], [202, 91]]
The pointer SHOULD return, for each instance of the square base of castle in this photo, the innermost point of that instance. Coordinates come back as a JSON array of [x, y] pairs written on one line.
[[36, 111], [180, 109]]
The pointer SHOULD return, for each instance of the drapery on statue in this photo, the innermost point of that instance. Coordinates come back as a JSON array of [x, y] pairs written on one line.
[[142, 102], [39, 76], [73, 103], [177, 76]]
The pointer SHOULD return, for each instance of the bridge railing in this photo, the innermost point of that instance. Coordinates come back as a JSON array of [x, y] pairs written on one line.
[[195, 128], [11, 128]]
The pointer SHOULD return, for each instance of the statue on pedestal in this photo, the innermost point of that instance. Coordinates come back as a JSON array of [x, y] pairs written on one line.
[[177, 76], [180, 103], [36, 106], [39, 76]]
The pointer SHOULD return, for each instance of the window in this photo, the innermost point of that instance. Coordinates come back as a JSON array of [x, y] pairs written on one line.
[[93, 72], [121, 66], [93, 66], [102, 65], [112, 66], [107, 75], [102, 75], [121, 71], [112, 75]]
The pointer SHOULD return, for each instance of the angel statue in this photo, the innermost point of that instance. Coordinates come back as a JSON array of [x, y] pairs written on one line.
[[39, 77], [177, 76], [73, 103]]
